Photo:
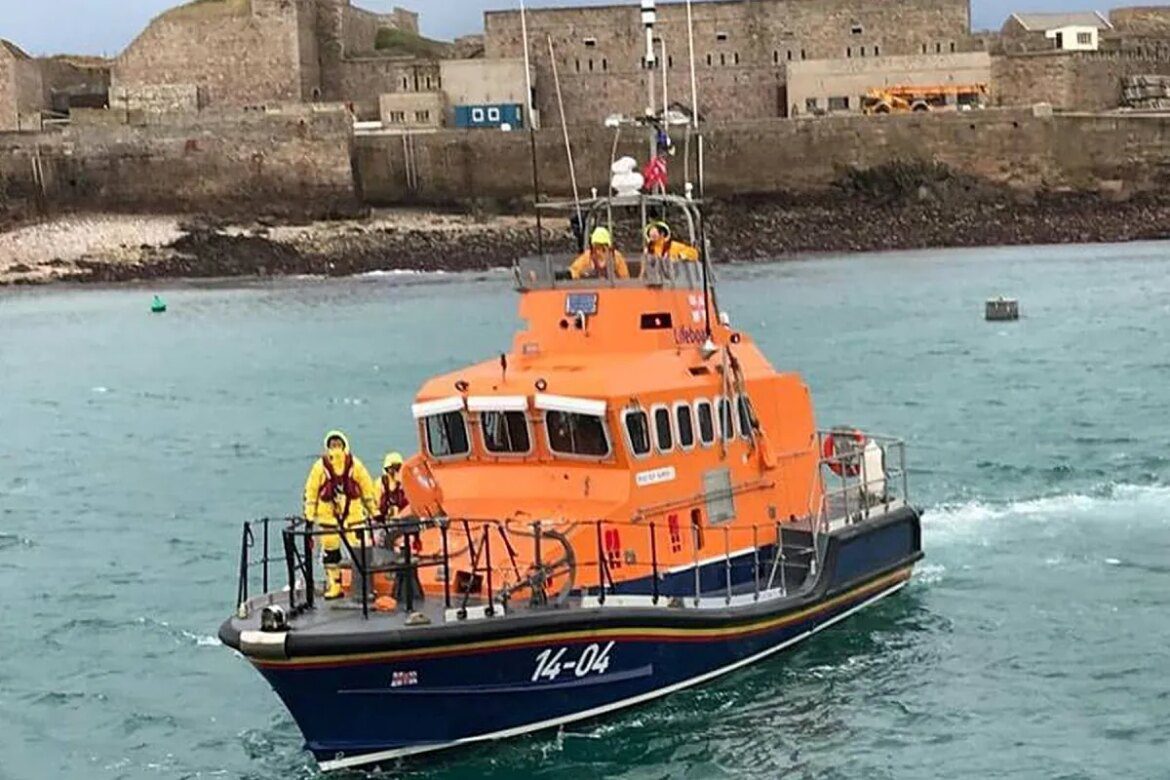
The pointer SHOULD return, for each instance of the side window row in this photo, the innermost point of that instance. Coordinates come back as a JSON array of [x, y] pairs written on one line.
[[680, 428]]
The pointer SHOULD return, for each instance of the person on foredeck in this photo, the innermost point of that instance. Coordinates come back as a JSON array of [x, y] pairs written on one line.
[[660, 245], [391, 496], [338, 493], [594, 263]]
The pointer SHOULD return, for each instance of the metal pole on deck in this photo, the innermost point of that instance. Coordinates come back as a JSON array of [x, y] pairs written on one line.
[[530, 103]]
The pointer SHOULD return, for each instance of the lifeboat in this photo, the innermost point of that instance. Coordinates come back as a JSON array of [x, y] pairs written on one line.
[[629, 501]]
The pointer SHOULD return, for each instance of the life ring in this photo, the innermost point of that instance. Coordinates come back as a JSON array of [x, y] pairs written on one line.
[[838, 466]]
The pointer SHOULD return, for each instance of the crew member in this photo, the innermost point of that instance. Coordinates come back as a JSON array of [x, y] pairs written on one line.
[[391, 495], [660, 245], [595, 262], [336, 492]]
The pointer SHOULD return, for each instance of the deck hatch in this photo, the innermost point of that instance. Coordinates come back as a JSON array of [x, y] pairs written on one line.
[[720, 500]]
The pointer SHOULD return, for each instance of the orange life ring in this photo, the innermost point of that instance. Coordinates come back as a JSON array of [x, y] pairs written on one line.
[[829, 453]]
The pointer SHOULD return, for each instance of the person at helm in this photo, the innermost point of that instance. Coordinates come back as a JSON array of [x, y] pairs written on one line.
[[594, 263], [660, 245], [337, 491], [391, 496]]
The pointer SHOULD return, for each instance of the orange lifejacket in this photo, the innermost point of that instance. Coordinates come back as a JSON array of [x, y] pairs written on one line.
[[339, 487]]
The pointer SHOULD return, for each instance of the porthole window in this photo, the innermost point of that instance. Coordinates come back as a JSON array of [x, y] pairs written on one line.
[[726, 422], [663, 432], [706, 423], [638, 433], [685, 422], [743, 407]]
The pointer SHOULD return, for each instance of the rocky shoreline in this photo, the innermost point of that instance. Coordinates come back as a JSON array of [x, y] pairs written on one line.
[[122, 248]]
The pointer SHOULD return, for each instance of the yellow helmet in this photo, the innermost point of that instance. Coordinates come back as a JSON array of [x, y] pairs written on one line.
[[337, 435], [601, 237], [392, 459], [661, 226]]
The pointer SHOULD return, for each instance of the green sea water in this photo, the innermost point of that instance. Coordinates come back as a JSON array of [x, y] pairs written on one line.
[[1033, 641]]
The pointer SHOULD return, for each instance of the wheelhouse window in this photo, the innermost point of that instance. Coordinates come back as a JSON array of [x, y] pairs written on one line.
[[663, 433], [685, 422], [726, 423], [447, 435], [706, 423], [638, 431], [576, 434], [505, 433], [743, 407]]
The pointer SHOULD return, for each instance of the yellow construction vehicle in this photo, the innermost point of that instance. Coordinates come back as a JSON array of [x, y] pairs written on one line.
[[899, 99]]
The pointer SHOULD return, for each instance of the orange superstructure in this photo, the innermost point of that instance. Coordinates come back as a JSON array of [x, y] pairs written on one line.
[[629, 402]]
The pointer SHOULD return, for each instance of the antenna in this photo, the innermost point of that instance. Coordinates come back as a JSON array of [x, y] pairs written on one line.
[[530, 103], [565, 132], [649, 20]]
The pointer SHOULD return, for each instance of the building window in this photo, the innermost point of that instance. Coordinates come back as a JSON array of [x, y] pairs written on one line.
[[862, 51], [722, 59], [477, 115], [848, 51], [952, 47], [1085, 39], [856, 29], [578, 66], [721, 36], [924, 48], [590, 43], [493, 114], [802, 54], [422, 117], [670, 61], [604, 63], [591, 65], [397, 117], [737, 58], [775, 58], [708, 60], [810, 105], [838, 104], [877, 52], [790, 55], [405, 84], [428, 82], [938, 48]]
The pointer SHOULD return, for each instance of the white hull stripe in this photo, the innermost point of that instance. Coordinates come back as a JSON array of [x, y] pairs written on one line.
[[386, 755]]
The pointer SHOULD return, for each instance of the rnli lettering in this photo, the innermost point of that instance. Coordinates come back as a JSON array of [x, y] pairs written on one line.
[[594, 659], [655, 476], [401, 679], [690, 335]]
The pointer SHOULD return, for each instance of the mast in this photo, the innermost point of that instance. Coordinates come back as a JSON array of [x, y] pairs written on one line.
[[649, 21], [530, 104]]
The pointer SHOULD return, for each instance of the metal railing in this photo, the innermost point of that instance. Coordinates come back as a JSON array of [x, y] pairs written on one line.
[[851, 490], [479, 564], [552, 272]]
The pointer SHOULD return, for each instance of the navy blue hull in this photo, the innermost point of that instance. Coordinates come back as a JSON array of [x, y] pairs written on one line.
[[365, 706]]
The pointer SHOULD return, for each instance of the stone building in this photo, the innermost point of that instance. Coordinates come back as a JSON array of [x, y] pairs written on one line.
[[21, 89], [1048, 31], [840, 86], [742, 49], [254, 52]]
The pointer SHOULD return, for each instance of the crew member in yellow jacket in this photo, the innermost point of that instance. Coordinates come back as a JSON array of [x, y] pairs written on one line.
[[337, 491]]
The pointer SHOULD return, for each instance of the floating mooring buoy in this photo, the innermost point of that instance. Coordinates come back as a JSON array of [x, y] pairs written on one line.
[[1001, 309], [158, 305]]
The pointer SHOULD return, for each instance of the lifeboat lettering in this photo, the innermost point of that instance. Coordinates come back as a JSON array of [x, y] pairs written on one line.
[[690, 335], [656, 476], [594, 659]]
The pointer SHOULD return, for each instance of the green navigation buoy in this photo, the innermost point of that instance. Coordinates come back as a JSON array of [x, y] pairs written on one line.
[[158, 305]]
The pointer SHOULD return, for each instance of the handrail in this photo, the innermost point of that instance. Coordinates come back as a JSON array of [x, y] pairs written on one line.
[[755, 558]]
